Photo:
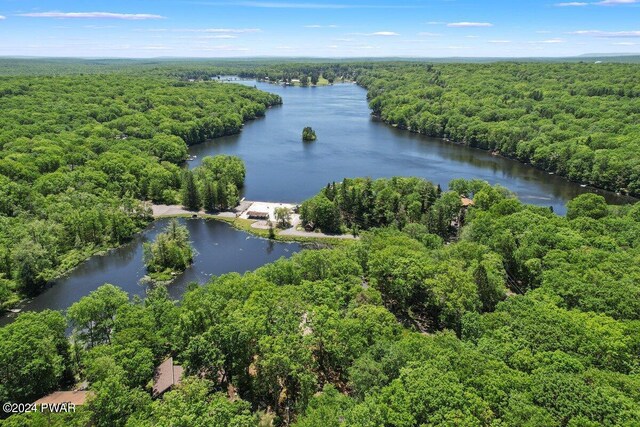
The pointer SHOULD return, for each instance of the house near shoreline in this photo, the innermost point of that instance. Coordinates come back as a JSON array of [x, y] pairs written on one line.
[[466, 202], [167, 376], [257, 215]]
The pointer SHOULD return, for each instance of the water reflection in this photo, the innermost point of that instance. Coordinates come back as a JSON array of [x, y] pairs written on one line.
[[280, 167], [220, 249]]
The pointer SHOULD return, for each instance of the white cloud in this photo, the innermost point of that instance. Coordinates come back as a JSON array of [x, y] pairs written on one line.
[[217, 30], [624, 44], [220, 48], [616, 2], [571, 4], [599, 3], [209, 37], [232, 30], [98, 27], [155, 47], [378, 34], [548, 41], [93, 15], [277, 5], [469, 24], [384, 34], [2, 17], [283, 5], [612, 34]]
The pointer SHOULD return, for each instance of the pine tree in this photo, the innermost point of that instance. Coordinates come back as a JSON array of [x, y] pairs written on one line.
[[221, 188], [209, 197], [190, 196], [488, 295], [232, 196]]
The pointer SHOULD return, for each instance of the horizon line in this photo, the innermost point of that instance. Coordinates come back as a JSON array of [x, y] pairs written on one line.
[[584, 55]]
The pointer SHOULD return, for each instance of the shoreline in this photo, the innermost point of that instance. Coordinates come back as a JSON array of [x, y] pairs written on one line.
[[237, 219], [239, 224], [632, 198]]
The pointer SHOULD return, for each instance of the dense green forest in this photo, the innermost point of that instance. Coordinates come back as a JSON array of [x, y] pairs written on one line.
[[78, 154], [581, 121], [528, 319], [442, 313], [214, 185], [576, 119], [363, 203]]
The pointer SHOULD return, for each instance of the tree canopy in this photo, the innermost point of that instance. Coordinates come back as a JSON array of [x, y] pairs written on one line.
[[79, 155], [526, 318]]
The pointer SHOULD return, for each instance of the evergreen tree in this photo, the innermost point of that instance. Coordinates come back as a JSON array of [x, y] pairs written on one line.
[[222, 195], [487, 294], [170, 251], [190, 196], [231, 195], [210, 196]]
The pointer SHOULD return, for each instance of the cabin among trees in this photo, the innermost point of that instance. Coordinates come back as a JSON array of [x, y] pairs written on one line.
[[167, 376]]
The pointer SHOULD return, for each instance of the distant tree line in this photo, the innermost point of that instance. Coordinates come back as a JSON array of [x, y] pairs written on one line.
[[576, 120]]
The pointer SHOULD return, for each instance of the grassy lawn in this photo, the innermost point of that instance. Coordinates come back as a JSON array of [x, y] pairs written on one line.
[[245, 225]]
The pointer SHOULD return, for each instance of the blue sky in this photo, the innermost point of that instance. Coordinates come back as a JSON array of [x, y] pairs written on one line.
[[338, 28]]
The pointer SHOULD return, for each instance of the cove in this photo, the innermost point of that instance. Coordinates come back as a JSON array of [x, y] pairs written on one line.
[[220, 249], [280, 167]]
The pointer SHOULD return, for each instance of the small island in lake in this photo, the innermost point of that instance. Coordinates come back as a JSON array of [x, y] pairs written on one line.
[[308, 134], [169, 254]]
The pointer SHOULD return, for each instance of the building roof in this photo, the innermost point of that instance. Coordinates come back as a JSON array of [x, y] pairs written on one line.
[[466, 201], [167, 375], [257, 214], [77, 397]]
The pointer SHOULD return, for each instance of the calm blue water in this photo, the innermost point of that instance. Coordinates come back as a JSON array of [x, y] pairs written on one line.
[[280, 167], [220, 249]]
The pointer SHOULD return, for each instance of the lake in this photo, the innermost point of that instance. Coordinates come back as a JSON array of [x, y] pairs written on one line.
[[220, 249], [280, 167]]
